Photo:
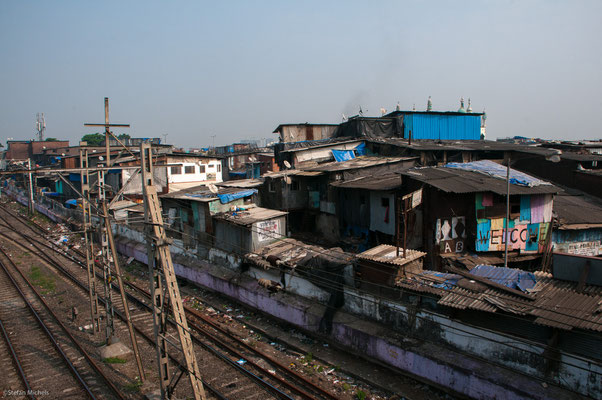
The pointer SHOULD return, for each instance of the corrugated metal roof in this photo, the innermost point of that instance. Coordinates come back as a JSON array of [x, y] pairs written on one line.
[[200, 193], [551, 302], [581, 156], [461, 181], [577, 210], [291, 172], [249, 215], [291, 251], [241, 183], [387, 254], [371, 182], [358, 162], [465, 145]]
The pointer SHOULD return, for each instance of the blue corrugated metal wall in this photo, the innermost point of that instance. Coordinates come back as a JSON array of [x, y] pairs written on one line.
[[443, 127]]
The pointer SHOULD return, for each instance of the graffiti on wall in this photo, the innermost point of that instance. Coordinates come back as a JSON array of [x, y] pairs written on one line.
[[591, 248], [527, 228], [450, 234], [268, 230]]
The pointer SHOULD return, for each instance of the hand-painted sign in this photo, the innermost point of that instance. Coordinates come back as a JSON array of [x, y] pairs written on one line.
[[527, 230], [450, 234], [591, 248]]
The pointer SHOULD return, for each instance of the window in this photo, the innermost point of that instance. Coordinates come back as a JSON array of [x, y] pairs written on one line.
[[202, 169], [295, 185], [189, 169], [176, 170], [219, 168], [384, 201]]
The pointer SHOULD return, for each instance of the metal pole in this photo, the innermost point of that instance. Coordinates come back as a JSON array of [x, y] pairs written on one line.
[[31, 204], [124, 300], [397, 208], [405, 226], [107, 132], [507, 210]]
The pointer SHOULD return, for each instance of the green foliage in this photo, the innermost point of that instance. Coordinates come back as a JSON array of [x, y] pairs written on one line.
[[51, 139], [134, 386], [46, 282], [93, 139], [123, 136], [114, 360], [360, 395]]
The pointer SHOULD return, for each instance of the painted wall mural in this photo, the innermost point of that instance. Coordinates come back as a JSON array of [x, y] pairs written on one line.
[[528, 225], [450, 234]]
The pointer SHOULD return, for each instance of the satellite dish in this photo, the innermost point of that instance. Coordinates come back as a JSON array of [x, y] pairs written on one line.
[[287, 164], [287, 180], [213, 188], [101, 158], [252, 159]]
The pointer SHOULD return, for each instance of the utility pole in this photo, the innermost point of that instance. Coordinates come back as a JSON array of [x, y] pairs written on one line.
[[104, 238], [159, 260], [106, 262], [32, 208], [126, 309], [87, 219]]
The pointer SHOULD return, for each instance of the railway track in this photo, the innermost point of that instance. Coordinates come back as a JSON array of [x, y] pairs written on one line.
[[49, 361], [230, 368]]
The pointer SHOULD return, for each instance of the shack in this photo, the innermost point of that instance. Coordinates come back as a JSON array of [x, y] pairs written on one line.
[[245, 229], [464, 207]]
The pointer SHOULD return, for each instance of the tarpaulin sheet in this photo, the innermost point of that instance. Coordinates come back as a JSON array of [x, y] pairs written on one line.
[[496, 170], [226, 198], [510, 277], [360, 149], [343, 155], [371, 127]]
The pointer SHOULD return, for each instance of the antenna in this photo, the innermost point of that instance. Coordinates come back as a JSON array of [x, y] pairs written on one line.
[[213, 188], [40, 126]]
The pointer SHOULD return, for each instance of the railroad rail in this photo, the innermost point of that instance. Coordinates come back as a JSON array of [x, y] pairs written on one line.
[[49, 359], [213, 344]]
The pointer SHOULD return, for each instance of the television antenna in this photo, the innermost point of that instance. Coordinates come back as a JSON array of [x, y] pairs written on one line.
[[40, 126]]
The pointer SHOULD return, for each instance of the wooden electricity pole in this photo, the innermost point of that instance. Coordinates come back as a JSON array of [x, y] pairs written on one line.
[[161, 273]]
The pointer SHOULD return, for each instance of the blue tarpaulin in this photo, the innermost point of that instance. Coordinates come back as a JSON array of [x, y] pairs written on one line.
[[71, 203], [226, 198], [236, 173], [450, 279], [510, 277], [343, 155], [360, 149], [346, 155], [496, 170]]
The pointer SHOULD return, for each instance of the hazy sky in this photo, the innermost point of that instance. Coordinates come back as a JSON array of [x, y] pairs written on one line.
[[238, 69]]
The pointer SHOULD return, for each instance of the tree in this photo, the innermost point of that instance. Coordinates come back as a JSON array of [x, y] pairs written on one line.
[[123, 137], [51, 139], [93, 139]]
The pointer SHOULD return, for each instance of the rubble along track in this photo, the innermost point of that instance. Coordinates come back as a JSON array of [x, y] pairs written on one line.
[[212, 343], [49, 360]]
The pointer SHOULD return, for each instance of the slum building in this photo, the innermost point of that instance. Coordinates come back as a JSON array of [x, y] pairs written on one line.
[[464, 210]]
